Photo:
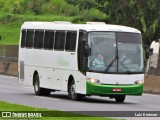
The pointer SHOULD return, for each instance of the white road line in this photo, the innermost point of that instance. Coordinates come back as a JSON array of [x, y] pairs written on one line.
[[132, 101], [27, 87], [7, 91], [46, 98], [8, 76], [151, 95]]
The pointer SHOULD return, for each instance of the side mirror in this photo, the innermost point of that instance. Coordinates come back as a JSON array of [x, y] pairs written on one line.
[[146, 48], [87, 51], [157, 40], [84, 37], [149, 52]]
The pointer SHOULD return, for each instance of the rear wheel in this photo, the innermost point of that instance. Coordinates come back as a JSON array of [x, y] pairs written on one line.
[[37, 89], [120, 98], [72, 93]]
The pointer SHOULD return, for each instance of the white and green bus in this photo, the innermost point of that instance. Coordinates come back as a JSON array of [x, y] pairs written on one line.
[[59, 56]]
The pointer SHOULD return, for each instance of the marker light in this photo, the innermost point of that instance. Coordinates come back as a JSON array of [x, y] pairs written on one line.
[[140, 82], [93, 81]]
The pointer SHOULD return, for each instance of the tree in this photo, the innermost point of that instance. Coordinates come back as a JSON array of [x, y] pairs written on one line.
[[141, 14], [36, 7]]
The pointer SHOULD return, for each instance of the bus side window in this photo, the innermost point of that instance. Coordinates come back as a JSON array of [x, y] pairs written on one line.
[[71, 41], [23, 38], [59, 40], [29, 38], [49, 40], [38, 39]]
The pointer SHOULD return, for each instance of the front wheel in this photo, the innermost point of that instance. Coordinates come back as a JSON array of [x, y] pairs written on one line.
[[72, 93], [38, 90], [120, 98]]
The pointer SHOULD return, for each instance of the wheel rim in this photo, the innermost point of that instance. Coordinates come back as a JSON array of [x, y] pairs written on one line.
[[36, 86], [73, 91]]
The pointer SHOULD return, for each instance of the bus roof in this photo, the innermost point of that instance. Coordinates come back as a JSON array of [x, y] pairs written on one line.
[[89, 26]]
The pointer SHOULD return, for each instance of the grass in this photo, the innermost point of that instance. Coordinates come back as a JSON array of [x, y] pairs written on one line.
[[9, 34], [10, 25], [58, 115]]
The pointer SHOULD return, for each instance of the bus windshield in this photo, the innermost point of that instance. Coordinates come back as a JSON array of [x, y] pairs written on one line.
[[115, 52]]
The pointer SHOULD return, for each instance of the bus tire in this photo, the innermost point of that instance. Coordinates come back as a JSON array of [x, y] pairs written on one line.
[[120, 98], [38, 90], [72, 93]]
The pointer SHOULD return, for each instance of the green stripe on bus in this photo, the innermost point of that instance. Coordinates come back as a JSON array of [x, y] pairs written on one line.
[[99, 89]]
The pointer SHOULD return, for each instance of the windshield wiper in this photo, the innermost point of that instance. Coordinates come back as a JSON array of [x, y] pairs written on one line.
[[124, 65], [111, 63]]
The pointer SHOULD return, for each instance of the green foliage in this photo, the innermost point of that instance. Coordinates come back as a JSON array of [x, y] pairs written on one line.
[[140, 14], [36, 8], [93, 15], [83, 4], [143, 24], [88, 10], [10, 25]]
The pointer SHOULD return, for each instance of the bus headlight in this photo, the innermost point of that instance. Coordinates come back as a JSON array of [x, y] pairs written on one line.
[[140, 82], [92, 80]]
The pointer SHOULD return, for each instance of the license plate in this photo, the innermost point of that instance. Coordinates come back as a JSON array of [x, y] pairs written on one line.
[[116, 89]]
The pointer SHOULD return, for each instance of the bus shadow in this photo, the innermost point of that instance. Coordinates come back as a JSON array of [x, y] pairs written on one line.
[[84, 99], [59, 96], [97, 100], [105, 100]]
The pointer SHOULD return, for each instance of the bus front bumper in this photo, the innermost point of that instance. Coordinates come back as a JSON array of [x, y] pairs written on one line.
[[107, 90]]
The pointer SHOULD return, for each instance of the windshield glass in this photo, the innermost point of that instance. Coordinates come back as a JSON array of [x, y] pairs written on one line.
[[115, 52]]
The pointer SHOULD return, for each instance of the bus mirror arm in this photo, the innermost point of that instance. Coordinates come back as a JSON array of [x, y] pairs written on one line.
[[147, 53], [145, 47], [151, 51]]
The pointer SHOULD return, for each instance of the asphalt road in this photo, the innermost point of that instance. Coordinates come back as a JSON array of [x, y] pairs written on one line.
[[13, 92]]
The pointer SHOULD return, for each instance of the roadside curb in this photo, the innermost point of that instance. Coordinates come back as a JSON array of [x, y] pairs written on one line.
[[152, 84], [9, 68]]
